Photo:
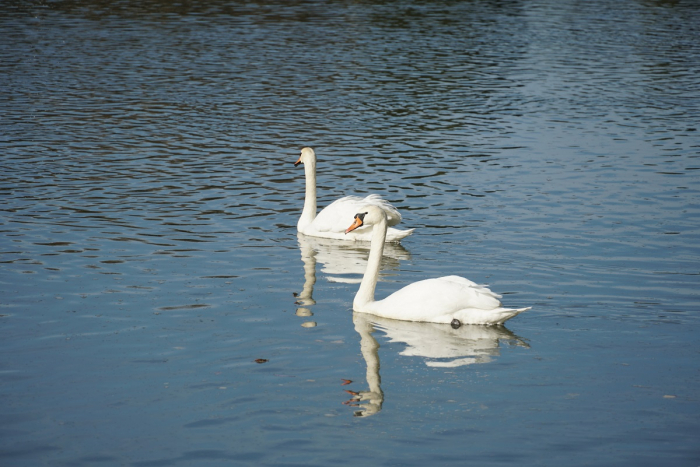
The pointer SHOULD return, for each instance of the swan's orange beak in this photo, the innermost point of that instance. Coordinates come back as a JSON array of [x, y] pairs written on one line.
[[297, 162], [356, 224]]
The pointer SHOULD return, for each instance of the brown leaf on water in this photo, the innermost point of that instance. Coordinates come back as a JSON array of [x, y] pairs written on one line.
[[261, 360]]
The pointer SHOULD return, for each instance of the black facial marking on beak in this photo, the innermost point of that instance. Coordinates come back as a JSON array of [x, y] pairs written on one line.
[[297, 163], [359, 222]]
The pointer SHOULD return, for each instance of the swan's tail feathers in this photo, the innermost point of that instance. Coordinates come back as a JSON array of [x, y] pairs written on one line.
[[395, 235], [496, 316], [509, 313]]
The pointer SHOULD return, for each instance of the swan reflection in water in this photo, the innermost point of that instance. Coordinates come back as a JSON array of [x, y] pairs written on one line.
[[342, 262], [440, 344]]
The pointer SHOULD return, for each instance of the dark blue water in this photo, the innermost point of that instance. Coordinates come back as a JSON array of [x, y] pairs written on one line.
[[149, 255]]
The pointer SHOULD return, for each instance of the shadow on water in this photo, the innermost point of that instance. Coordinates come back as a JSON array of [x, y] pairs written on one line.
[[343, 261], [439, 344]]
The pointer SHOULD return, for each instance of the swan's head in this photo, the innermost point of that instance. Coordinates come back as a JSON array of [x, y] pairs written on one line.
[[308, 156], [368, 216]]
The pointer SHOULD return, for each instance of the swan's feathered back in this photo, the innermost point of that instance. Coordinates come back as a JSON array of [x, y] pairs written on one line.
[[335, 216], [443, 299]]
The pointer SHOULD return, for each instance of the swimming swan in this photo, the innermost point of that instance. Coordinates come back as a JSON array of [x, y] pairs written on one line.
[[331, 221], [451, 299]]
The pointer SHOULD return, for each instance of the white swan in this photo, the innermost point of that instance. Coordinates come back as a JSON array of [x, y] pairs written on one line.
[[331, 221], [450, 299]]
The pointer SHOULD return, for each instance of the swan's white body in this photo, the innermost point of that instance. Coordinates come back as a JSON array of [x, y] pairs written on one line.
[[440, 300], [332, 220]]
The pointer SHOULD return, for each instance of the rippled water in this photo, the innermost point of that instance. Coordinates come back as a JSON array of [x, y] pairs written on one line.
[[149, 253]]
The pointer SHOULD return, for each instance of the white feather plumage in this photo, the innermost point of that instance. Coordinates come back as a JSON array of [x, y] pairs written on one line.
[[332, 220]]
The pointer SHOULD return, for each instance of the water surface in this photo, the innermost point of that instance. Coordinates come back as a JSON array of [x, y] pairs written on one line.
[[149, 254]]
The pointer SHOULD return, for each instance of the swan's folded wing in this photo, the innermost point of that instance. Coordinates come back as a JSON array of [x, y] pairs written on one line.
[[483, 289], [337, 216], [424, 300]]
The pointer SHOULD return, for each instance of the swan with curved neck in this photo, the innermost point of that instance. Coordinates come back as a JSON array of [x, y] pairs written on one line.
[[331, 221], [451, 300]]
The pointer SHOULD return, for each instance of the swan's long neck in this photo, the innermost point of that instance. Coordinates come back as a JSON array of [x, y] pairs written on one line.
[[365, 294], [308, 214]]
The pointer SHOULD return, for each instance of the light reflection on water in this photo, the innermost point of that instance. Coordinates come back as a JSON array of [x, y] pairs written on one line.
[[442, 346], [149, 253]]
